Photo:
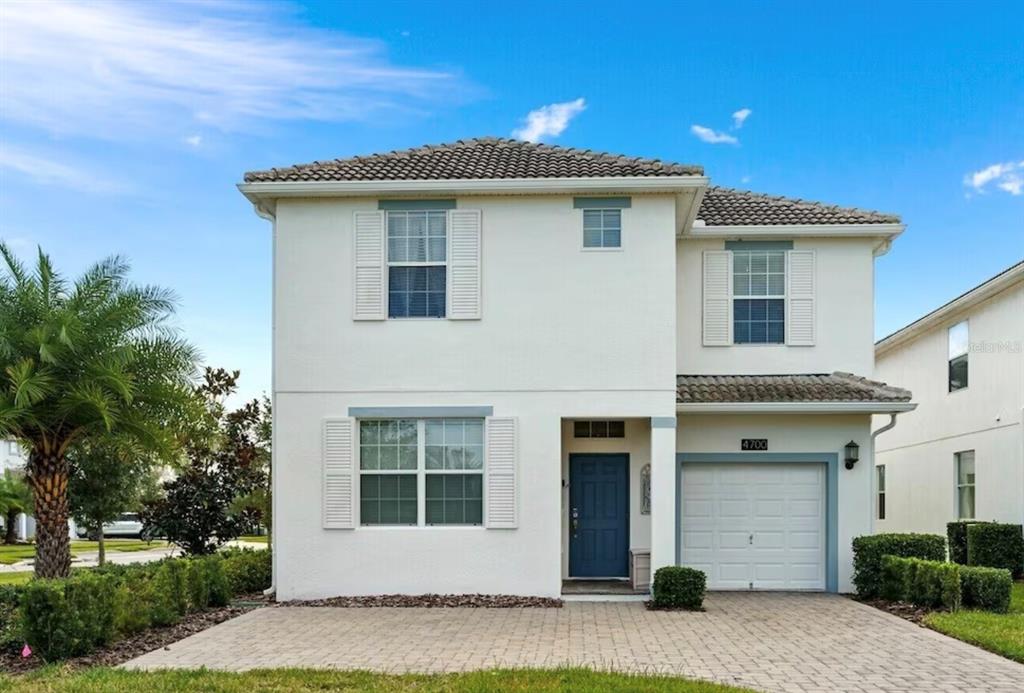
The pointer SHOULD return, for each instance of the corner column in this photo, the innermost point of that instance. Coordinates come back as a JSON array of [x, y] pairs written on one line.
[[664, 487]]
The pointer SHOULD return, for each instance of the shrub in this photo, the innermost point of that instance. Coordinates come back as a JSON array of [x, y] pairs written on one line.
[[869, 550], [10, 628], [64, 618], [198, 584], [247, 570], [931, 584], [676, 587], [996, 545], [220, 588], [956, 534], [169, 596], [986, 588]]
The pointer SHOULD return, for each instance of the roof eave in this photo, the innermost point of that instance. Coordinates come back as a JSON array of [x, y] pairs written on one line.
[[795, 407], [474, 186], [887, 230], [978, 294]]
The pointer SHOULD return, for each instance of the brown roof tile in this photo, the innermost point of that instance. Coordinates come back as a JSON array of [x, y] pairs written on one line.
[[485, 157], [835, 387], [729, 207]]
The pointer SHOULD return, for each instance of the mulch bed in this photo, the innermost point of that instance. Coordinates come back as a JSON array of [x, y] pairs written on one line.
[[909, 612], [435, 601], [140, 643]]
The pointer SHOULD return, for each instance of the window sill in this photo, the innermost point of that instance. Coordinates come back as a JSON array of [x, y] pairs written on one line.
[[446, 528], [602, 250]]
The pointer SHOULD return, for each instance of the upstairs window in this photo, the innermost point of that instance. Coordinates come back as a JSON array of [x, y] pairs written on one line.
[[759, 296], [959, 343], [417, 264], [602, 228]]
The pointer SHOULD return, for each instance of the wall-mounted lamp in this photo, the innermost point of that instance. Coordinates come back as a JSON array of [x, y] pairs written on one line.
[[852, 454]]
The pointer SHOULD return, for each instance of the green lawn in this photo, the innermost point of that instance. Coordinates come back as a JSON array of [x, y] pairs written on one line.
[[254, 540], [15, 578], [19, 552], [113, 681], [999, 633]]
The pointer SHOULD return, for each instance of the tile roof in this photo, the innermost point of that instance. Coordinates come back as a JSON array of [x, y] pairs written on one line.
[[729, 207], [485, 157], [835, 387]]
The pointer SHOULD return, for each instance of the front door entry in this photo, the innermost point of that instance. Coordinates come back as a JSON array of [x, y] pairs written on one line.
[[598, 515]]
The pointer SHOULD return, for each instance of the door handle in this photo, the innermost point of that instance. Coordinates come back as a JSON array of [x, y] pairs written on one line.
[[575, 521]]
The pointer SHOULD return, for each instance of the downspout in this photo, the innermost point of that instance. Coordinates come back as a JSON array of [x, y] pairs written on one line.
[[874, 441]]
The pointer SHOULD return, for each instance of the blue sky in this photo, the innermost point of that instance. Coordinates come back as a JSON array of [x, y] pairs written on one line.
[[124, 128]]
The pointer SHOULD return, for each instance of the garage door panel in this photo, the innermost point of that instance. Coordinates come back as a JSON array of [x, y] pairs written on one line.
[[759, 525]]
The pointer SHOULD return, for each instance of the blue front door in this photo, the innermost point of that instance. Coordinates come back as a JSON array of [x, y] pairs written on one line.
[[598, 515]]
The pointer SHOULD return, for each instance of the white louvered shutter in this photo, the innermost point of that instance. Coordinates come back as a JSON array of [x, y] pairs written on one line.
[[501, 473], [716, 311], [800, 308], [369, 300], [338, 473], [464, 241]]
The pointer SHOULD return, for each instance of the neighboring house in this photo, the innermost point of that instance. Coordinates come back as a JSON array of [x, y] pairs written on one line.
[[960, 455], [13, 458], [500, 365]]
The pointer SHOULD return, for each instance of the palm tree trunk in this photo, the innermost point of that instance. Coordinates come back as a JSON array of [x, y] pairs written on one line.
[[48, 477], [11, 536]]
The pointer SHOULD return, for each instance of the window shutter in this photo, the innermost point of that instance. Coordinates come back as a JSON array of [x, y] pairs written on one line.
[[464, 236], [338, 474], [369, 300], [800, 308], [501, 473], [717, 298]]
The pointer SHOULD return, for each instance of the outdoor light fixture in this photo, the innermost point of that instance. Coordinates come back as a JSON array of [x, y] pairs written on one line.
[[852, 454]]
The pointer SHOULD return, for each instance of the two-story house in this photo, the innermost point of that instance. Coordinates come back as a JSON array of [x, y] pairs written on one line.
[[960, 455], [500, 366]]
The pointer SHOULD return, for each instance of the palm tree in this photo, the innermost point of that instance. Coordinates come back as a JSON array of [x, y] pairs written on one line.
[[15, 499], [81, 361]]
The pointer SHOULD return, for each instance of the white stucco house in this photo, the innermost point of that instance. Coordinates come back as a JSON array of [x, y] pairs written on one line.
[[504, 367], [960, 455]]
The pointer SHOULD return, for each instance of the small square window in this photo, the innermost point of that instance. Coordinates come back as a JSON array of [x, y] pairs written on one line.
[[602, 228], [599, 429]]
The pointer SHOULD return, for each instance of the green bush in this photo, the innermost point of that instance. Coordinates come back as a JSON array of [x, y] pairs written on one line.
[[869, 550], [169, 593], [10, 628], [996, 545], [220, 588], [931, 584], [956, 534], [247, 570], [69, 617], [198, 585], [986, 588], [676, 587]]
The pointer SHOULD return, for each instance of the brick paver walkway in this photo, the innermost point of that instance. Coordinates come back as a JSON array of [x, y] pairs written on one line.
[[771, 642]]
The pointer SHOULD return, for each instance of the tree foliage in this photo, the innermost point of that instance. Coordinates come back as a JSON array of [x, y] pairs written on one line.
[[217, 495], [81, 360]]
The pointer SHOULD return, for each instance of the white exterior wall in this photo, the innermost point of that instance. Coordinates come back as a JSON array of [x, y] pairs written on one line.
[[987, 417], [810, 433], [565, 333], [11, 456], [844, 315]]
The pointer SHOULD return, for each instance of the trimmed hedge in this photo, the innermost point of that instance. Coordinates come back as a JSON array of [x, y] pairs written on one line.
[[956, 535], [932, 584], [676, 587], [869, 550], [247, 570], [996, 545], [10, 627], [986, 588], [73, 616]]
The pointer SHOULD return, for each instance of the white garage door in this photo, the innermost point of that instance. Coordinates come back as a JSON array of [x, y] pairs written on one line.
[[755, 526]]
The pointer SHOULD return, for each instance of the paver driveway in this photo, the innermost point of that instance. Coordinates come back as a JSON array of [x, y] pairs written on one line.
[[772, 642]]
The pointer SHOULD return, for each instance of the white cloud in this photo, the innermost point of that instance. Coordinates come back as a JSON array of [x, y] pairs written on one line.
[[710, 136], [1008, 176], [194, 140], [740, 117], [117, 70], [550, 120], [44, 171]]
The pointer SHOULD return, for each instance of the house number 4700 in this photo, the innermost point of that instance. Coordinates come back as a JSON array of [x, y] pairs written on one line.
[[754, 444]]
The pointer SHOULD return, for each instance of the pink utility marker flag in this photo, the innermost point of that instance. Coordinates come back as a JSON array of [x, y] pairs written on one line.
[[26, 651]]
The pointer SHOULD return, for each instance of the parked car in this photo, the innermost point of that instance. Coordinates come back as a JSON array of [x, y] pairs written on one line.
[[126, 525]]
